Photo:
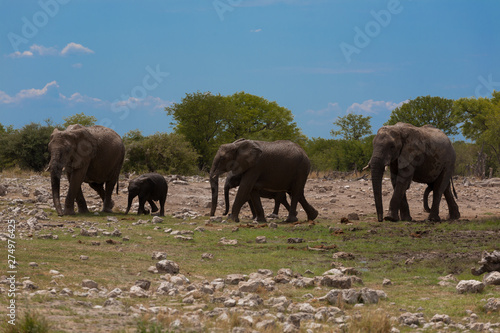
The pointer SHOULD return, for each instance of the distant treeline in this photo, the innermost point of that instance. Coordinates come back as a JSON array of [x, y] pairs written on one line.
[[204, 121]]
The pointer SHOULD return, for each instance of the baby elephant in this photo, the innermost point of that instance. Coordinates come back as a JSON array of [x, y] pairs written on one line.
[[149, 187]]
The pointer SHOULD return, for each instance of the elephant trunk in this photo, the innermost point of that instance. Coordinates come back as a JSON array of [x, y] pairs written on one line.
[[55, 180], [214, 185], [130, 199], [377, 167], [226, 197]]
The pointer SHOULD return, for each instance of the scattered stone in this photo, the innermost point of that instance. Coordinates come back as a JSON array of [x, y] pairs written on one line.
[[387, 282], [469, 286], [29, 285], [489, 262], [492, 305], [159, 255], [89, 284], [167, 266], [33, 264], [207, 256], [410, 319], [353, 217], [343, 255], [336, 281], [234, 279], [144, 284], [295, 240], [225, 241], [441, 318], [261, 239], [113, 219], [92, 232], [157, 219], [492, 278], [82, 257], [137, 291]]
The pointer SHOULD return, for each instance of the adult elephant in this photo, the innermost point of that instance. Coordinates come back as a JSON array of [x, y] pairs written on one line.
[[422, 154], [279, 166], [87, 154], [279, 198]]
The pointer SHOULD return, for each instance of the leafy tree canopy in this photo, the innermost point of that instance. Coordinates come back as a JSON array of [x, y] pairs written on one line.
[[79, 118], [208, 120], [352, 127], [423, 110]]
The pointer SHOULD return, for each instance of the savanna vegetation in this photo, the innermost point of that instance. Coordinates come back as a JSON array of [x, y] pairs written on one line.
[[203, 121]]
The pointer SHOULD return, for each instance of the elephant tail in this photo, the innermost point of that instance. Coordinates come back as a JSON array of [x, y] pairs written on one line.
[[453, 187]]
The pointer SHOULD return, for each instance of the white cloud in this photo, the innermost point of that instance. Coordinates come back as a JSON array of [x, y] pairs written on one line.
[[50, 93], [77, 65], [27, 94], [17, 54], [40, 50], [72, 48], [330, 110], [373, 107], [256, 30]]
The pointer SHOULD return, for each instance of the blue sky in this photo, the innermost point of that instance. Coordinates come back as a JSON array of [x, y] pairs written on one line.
[[124, 61]]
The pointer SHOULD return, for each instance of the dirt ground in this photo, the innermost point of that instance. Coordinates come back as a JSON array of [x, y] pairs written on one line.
[[336, 198]]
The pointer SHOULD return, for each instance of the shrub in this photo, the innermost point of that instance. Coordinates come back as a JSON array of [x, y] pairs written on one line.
[[161, 152]]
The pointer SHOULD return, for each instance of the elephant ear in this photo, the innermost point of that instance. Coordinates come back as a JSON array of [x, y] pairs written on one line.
[[84, 147], [248, 153], [413, 149]]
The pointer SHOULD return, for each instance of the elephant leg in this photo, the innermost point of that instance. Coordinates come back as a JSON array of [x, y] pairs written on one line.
[[75, 186], [398, 197], [99, 188], [252, 209], [452, 204], [162, 205], [292, 213], [242, 196], [142, 209], [154, 208], [405, 209], [257, 205], [311, 212], [108, 202], [440, 186], [80, 201]]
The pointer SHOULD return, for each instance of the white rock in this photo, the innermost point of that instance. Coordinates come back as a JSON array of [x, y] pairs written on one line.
[[492, 278], [469, 286]]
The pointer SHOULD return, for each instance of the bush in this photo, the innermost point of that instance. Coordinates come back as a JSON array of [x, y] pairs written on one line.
[[161, 152], [26, 147]]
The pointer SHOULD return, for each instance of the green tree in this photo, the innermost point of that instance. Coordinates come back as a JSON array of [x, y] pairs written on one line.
[[208, 120], [161, 152], [27, 147], [480, 118], [352, 126], [79, 118], [423, 110]]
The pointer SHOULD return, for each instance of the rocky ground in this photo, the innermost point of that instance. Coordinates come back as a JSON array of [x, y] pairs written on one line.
[[190, 197]]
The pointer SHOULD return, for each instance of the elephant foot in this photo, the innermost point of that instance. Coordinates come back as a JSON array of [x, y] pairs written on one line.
[[434, 218], [233, 218], [261, 220], [291, 219], [406, 218], [313, 215], [454, 216], [69, 212], [391, 219]]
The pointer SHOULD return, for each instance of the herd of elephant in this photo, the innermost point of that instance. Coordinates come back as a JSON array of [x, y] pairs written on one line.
[[95, 155]]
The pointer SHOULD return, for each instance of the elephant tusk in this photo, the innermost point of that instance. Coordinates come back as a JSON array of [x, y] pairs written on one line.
[[366, 167]]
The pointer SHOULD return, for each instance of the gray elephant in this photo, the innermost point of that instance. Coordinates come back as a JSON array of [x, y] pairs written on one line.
[[149, 187], [422, 154], [87, 154], [428, 190], [233, 181], [279, 166]]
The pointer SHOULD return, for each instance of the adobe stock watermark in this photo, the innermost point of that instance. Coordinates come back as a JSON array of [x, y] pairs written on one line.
[[224, 6], [373, 28], [150, 82], [486, 84], [30, 27]]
